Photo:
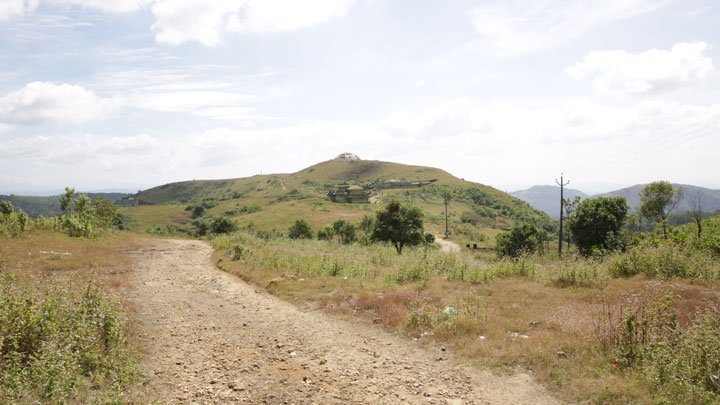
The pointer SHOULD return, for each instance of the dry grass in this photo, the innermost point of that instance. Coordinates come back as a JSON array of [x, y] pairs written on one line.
[[60, 285], [544, 322]]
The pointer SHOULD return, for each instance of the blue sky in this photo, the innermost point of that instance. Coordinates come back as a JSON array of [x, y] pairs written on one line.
[[128, 94]]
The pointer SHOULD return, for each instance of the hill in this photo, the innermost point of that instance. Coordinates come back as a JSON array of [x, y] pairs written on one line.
[[547, 198], [710, 198], [271, 203], [49, 205]]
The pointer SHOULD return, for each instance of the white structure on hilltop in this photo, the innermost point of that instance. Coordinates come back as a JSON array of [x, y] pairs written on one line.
[[347, 156]]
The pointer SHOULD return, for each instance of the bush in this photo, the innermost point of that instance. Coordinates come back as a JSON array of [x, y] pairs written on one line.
[[221, 225], [596, 224], [300, 230], [522, 239], [647, 339], [55, 343], [345, 230], [12, 223], [86, 217]]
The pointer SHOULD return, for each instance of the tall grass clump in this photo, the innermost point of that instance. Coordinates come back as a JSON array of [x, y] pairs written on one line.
[[59, 345], [647, 339], [666, 260]]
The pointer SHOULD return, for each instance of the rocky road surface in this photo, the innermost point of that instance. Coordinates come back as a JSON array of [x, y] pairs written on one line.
[[209, 337]]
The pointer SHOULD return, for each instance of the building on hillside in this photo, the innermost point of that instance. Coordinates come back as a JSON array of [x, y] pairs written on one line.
[[345, 193], [394, 183], [128, 201], [347, 156]]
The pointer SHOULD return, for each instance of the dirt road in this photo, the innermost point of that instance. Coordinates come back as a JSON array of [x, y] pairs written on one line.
[[211, 338], [446, 245]]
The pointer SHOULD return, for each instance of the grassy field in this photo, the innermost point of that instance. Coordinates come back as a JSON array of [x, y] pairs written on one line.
[[63, 328], [582, 332]]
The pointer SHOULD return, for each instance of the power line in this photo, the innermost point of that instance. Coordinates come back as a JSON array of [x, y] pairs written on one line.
[[689, 134]]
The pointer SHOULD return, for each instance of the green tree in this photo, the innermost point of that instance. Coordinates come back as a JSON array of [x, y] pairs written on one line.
[[597, 222], [657, 200], [522, 239], [402, 226], [345, 230], [300, 230], [67, 198], [366, 226]]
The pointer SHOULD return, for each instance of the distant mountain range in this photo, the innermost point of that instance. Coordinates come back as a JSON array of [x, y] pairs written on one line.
[[547, 198], [49, 205]]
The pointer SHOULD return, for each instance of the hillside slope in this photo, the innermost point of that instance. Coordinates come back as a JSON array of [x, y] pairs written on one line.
[[49, 205], [710, 198], [272, 202]]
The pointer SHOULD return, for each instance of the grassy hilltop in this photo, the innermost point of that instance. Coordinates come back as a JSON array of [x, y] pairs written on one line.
[[273, 202]]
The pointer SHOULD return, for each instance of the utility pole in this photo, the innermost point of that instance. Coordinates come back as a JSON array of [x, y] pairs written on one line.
[[446, 199], [562, 184]]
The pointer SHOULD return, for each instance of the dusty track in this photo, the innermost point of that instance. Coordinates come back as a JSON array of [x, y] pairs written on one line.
[[211, 338]]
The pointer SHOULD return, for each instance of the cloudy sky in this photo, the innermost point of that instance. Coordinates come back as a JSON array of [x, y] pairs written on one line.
[[128, 94]]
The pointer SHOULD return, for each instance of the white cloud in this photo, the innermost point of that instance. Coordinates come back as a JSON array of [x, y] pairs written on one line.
[[76, 149], [619, 72], [205, 22], [517, 26], [181, 21], [46, 102], [15, 8], [262, 16], [12, 8], [109, 6]]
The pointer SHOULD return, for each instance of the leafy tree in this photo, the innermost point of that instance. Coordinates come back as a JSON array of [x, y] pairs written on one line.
[[569, 207], [657, 200], [366, 226], [523, 238], [597, 222], [399, 225], [67, 198], [345, 230], [300, 230]]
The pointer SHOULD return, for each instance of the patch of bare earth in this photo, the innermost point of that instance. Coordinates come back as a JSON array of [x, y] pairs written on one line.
[[211, 338]]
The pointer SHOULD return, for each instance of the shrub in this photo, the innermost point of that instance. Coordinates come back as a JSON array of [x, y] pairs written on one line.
[[345, 230], [300, 230], [522, 239], [647, 339], [12, 223], [221, 225], [53, 344]]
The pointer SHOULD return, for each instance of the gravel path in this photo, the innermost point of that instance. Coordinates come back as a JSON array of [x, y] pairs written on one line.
[[211, 338]]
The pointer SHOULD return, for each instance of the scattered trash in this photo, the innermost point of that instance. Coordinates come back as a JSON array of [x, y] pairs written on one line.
[[448, 311], [715, 380], [55, 253], [293, 354], [516, 335], [481, 337]]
